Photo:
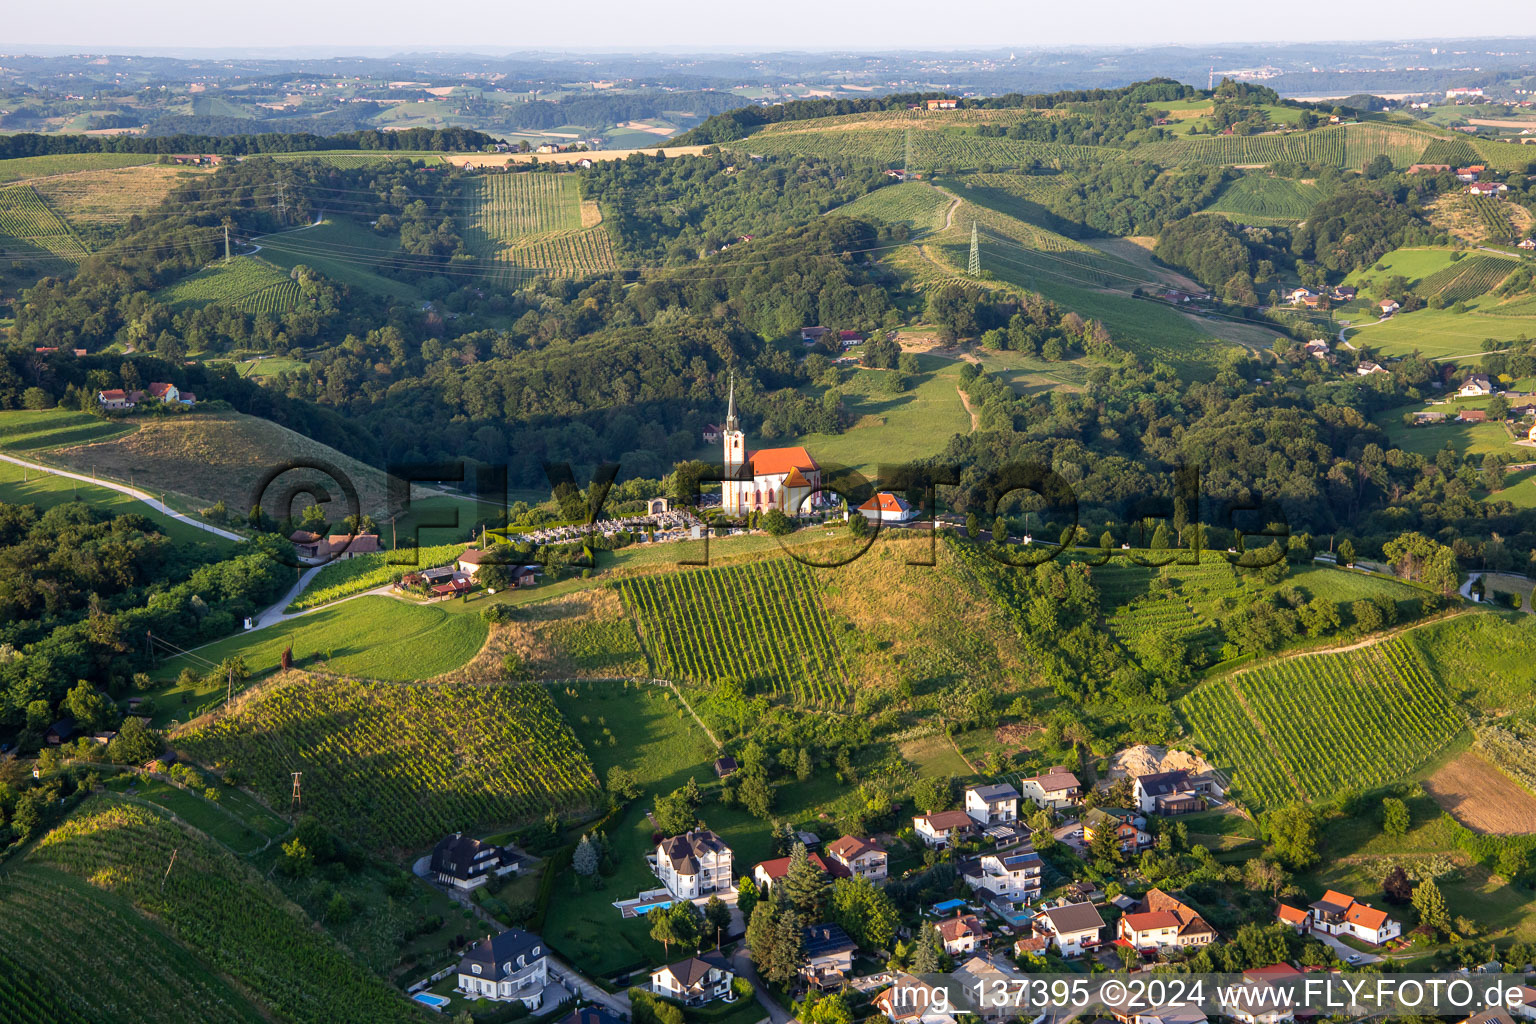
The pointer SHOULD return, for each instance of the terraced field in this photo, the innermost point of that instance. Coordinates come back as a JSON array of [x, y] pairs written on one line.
[[28, 226], [1263, 200], [246, 283]]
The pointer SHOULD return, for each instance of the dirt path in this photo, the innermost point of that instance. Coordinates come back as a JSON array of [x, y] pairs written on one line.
[[949, 214], [1374, 638], [975, 416]]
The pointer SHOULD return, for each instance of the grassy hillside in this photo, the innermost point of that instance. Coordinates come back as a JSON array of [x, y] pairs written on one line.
[[916, 204], [30, 230], [246, 283], [344, 251], [224, 456], [105, 198], [22, 168], [1266, 200]]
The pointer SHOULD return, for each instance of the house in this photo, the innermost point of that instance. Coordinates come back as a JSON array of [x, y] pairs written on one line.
[[170, 394], [996, 804], [510, 966], [306, 544], [114, 399], [886, 507], [711, 433], [1512, 1015], [1527, 243], [1434, 416], [725, 766], [1073, 928], [963, 933], [1297, 296], [341, 546], [1486, 188], [811, 335], [912, 1001], [1340, 914], [1526, 1010], [1366, 368], [1298, 918], [1344, 293], [59, 731], [1031, 945], [770, 871], [828, 956], [1427, 168], [849, 339], [944, 828], [470, 560], [1263, 996], [1055, 789], [1387, 307], [1151, 915], [1470, 172], [1015, 877], [1316, 349], [467, 863], [694, 864], [1128, 1014], [1125, 824], [1476, 385], [1472, 416], [696, 980], [860, 857], [1166, 793], [1147, 932], [943, 104]]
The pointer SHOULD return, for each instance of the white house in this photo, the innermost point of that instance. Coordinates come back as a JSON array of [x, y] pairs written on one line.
[[1073, 928], [886, 507], [1299, 295], [694, 864], [1366, 368], [466, 863], [993, 805], [695, 981], [944, 828], [1476, 385], [1338, 913], [1166, 793], [170, 394], [1388, 307], [512, 965], [912, 1001], [828, 956], [1013, 876], [116, 399], [1057, 788], [963, 933], [859, 857]]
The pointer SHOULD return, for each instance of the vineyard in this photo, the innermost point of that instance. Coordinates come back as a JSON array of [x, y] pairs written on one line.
[[1262, 200], [27, 221], [210, 902], [1315, 726], [530, 224], [1137, 613], [137, 974], [245, 283], [1456, 152], [1511, 746], [918, 205], [1495, 218], [568, 254], [107, 198], [364, 572], [21, 168], [399, 766], [1352, 145], [1467, 278], [930, 149], [761, 624], [347, 159]]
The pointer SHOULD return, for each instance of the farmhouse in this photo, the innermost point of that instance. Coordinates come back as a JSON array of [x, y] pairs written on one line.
[[1486, 188], [946, 827], [170, 394], [1366, 368], [467, 863], [1166, 793], [306, 544], [861, 858], [341, 546], [1472, 416], [786, 479], [469, 561], [1296, 917], [1297, 296], [115, 399], [1344, 293], [1387, 307], [828, 956], [512, 965], [1015, 877], [1073, 928], [696, 980], [1340, 914], [1476, 385], [963, 933], [1316, 349], [1125, 824], [694, 864], [1527, 243], [992, 805], [1055, 789], [886, 507], [59, 731]]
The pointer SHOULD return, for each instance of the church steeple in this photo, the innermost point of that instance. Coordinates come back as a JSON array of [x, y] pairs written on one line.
[[730, 409]]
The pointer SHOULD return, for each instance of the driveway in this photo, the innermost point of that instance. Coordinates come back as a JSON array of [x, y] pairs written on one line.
[[1063, 834], [1345, 952], [745, 968]]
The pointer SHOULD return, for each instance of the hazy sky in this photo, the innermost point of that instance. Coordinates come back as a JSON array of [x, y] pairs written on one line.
[[342, 25]]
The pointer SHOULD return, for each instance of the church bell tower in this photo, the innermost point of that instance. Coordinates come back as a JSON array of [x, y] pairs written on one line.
[[735, 455]]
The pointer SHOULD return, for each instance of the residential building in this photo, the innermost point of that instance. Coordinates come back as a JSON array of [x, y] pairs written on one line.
[[1262, 996], [170, 394], [694, 864], [470, 560], [1317, 349], [1472, 416], [1148, 932], [1166, 793], [1015, 877], [1486, 188], [1476, 385], [1338, 913], [944, 828], [1161, 921], [1527, 243], [886, 507], [341, 546], [1387, 307], [996, 804], [1031, 945], [115, 399], [512, 965], [307, 544], [1367, 367], [943, 104], [828, 956], [1056, 789], [1073, 928], [1126, 825], [696, 980], [963, 933], [1344, 293], [860, 857], [1511, 1015], [59, 731], [1526, 1010], [771, 871], [1297, 917], [1297, 296], [467, 863], [912, 1001]]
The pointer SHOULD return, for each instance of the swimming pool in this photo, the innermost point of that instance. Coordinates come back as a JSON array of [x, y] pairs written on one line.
[[429, 999], [947, 906]]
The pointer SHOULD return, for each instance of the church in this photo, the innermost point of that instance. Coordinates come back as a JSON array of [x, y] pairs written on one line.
[[787, 479]]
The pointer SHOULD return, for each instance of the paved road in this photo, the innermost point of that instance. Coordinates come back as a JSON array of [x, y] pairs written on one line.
[[1345, 952], [744, 968], [132, 492]]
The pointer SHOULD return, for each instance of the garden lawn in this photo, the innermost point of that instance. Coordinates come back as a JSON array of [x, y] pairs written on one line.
[[1427, 439]]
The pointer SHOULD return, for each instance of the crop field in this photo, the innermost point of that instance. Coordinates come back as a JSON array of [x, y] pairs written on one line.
[[146, 975], [916, 204], [567, 254], [39, 429], [1315, 726], [398, 766], [1468, 278], [1263, 200], [364, 572], [246, 283], [526, 203], [762, 624], [238, 922], [532, 223], [26, 220], [1456, 152], [22, 168]]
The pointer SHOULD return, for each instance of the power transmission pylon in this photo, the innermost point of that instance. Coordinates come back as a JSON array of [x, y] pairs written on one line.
[[973, 268], [294, 804], [226, 243]]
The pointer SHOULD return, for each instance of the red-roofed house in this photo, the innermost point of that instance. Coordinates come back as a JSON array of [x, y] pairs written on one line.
[[169, 394], [962, 933], [946, 827], [1338, 913], [770, 871], [1148, 932], [1296, 917], [861, 858], [115, 399], [886, 507]]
